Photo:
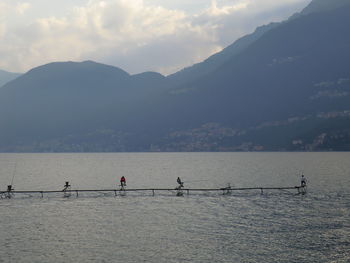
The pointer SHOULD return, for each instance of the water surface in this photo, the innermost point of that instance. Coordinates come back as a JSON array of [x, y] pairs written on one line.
[[278, 226]]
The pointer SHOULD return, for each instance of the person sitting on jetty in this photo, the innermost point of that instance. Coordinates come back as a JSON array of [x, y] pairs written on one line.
[[181, 184], [303, 181], [67, 190], [179, 187], [122, 181], [66, 187], [9, 191]]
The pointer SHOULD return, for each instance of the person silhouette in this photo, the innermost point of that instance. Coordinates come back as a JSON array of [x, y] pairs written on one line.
[[66, 187], [122, 181], [181, 184], [303, 181]]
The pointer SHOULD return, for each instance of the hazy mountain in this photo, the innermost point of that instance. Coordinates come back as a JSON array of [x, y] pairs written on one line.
[[285, 87], [59, 99], [286, 62], [324, 5], [295, 71], [7, 77], [147, 81], [213, 62], [198, 70]]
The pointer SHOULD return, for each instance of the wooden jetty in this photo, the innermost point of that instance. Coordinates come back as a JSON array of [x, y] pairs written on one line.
[[178, 191]]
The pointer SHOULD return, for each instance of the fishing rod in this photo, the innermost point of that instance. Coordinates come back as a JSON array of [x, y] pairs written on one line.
[[8, 193], [14, 173]]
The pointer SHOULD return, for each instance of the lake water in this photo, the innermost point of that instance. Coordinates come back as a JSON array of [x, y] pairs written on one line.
[[278, 226]]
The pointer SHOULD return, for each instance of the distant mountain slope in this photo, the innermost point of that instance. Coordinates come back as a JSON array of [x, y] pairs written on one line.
[[276, 75], [65, 98], [213, 62], [198, 70], [148, 80], [7, 77], [298, 69], [324, 5]]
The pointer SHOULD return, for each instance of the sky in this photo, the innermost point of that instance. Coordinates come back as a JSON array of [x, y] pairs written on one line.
[[135, 35]]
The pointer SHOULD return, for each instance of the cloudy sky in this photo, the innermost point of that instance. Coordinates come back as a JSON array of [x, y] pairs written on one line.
[[135, 35]]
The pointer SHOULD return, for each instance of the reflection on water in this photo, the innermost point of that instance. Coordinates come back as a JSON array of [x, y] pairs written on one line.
[[241, 227]]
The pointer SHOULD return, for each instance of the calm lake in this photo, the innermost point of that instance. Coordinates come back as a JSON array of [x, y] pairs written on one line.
[[277, 226]]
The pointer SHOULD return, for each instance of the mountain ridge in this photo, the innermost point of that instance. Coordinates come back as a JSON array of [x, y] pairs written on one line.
[[6, 77]]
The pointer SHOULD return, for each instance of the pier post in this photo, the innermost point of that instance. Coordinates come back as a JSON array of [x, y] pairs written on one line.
[[262, 191], [77, 192], [188, 191], [115, 192], [42, 194], [153, 192]]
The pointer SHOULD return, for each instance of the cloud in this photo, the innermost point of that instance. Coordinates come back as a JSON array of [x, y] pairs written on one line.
[[138, 37], [133, 35], [3, 8], [21, 8], [214, 10], [9, 8]]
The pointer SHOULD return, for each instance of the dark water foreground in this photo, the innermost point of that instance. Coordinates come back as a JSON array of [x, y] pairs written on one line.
[[278, 226]]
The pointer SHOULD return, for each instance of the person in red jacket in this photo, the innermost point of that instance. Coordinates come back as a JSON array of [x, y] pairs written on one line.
[[122, 181]]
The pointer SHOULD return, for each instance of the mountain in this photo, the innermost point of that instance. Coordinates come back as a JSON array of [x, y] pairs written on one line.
[[213, 62], [68, 98], [7, 77], [324, 5], [285, 87], [198, 70], [266, 96], [282, 66]]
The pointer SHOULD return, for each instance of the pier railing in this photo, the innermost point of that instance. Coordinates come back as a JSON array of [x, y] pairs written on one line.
[[224, 190]]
